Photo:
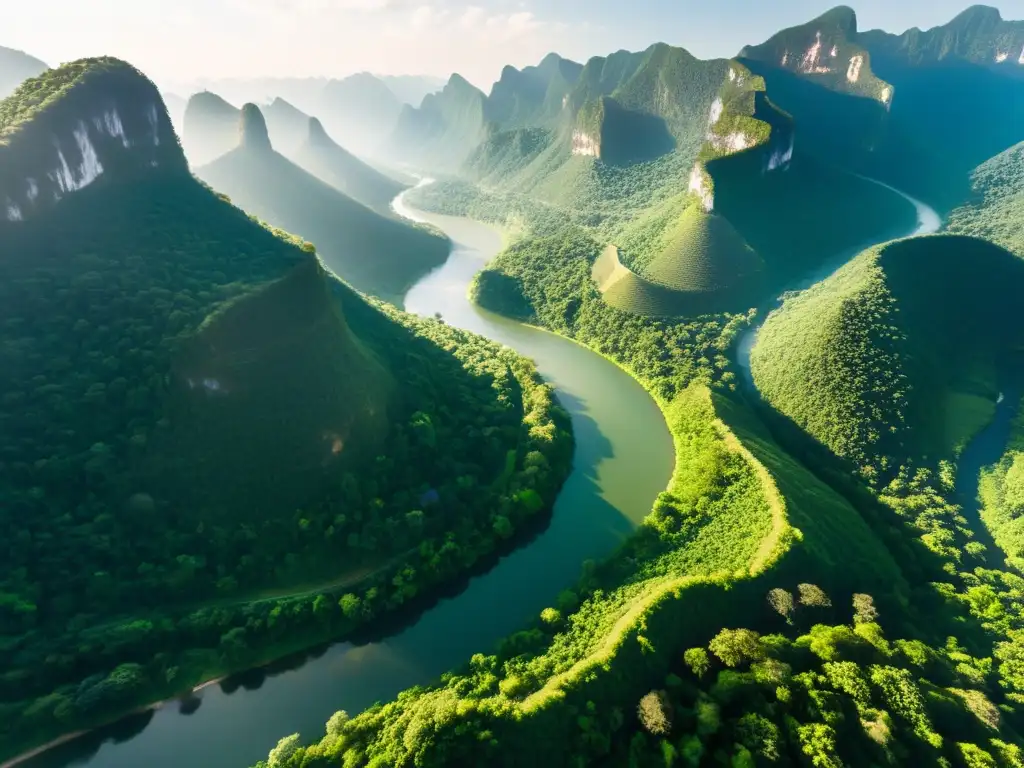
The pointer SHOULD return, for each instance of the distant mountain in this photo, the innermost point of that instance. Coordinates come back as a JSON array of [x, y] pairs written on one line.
[[176, 106], [330, 162], [210, 128], [360, 110], [533, 95], [376, 254], [410, 89], [875, 106], [444, 130], [15, 67], [288, 125]]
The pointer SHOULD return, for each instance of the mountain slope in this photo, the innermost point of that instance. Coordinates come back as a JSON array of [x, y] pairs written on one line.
[[287, 125], [210, 128], [444, 130], [328, 161], [197, 417], [16, 67], [872, 363], [376, 254], [995, 211], [411, 89]]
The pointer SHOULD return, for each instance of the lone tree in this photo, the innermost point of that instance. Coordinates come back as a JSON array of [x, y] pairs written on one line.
[[813, 596], [864, 610], [655, 713], [782, 603]]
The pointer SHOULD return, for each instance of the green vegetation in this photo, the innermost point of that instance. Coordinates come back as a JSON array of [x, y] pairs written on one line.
[[996, 210], [379, 255], [1002, 495], [215, 454], [866, 360], [16, 67], [319, 155]]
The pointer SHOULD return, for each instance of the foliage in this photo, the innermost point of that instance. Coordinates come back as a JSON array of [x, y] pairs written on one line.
[[123, 582]]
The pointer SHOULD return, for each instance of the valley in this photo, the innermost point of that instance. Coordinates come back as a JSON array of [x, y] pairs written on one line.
[[649, 410]]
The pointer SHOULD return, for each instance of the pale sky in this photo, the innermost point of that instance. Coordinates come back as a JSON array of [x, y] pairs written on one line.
[[185, 40]]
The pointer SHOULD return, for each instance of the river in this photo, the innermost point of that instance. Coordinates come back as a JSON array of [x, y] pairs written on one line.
[[624, 458], [986, 447]]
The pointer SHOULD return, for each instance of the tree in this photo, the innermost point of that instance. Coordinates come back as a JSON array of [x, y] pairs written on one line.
[[864, 609], [782, 603], [697, 660], [283, 752], [655, 713], [813, 596], [736, 646]]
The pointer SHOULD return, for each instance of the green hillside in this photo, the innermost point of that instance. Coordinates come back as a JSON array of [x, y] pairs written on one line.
[[995, 211], [210, 128], [208, 440], [288, 125], [703, 253], [328, 161], [15, 68], [375, 254], [533, 96], [873, 364]]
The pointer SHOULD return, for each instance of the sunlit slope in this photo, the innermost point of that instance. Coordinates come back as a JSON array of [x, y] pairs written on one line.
[[896, 354], [996, 209], [332, 163], [700, 265], [375, 254]]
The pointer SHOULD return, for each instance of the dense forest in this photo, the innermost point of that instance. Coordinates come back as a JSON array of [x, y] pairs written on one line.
[[208, 460], [868, 619]]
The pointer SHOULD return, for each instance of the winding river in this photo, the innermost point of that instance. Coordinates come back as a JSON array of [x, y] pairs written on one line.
[[624, 458]]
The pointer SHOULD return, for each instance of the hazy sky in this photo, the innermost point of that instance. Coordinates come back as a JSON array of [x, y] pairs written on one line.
[[178, 41]]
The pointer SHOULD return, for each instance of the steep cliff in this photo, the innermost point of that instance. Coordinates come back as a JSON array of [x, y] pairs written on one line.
[[89, 120]]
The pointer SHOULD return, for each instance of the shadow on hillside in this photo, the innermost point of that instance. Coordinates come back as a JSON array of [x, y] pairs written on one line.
[[928, 615]]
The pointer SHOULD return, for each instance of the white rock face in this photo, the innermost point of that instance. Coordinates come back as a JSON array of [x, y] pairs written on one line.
[[1001, 57], [14, 212], [785, 59], [732, 75], [853, 71], [1020, 59], [834, 52], [584, 144], [733, 142], [72, 179], [700, 185], [811, 62], [33, 190], [110, 123], [781, 158], [717, 108], [154, 124]]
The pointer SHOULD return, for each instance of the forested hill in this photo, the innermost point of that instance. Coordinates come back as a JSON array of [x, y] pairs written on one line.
[[379, 255], [16, 67], [214, 452]]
